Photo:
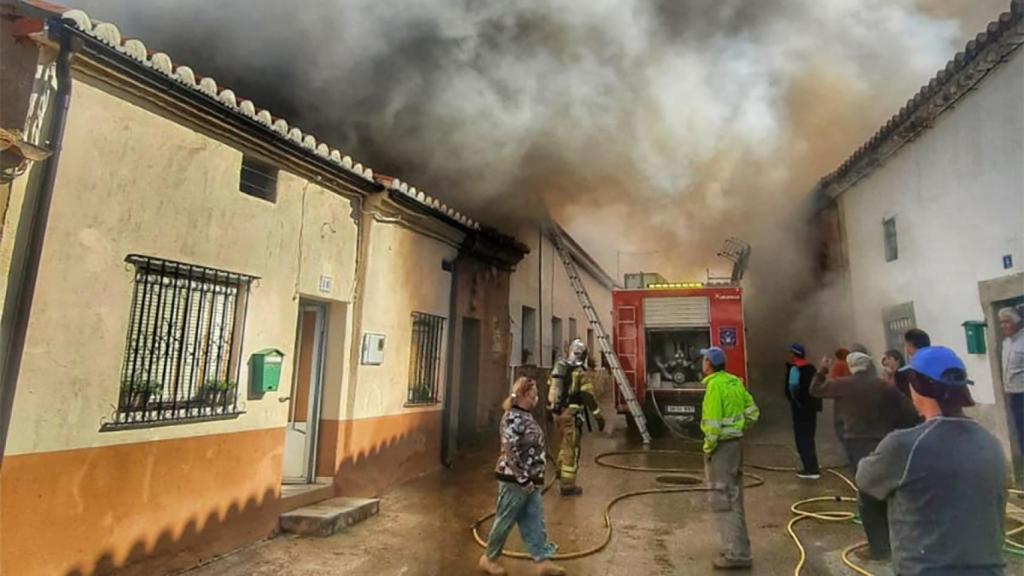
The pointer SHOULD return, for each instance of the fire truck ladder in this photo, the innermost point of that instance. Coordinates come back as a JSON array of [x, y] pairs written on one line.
[[602, 336]]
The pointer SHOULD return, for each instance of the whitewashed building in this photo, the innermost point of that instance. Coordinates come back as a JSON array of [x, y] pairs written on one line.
[[927, 217], [544, 310]]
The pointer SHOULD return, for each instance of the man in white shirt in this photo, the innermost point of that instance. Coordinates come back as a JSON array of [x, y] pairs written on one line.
[[1012, 328]]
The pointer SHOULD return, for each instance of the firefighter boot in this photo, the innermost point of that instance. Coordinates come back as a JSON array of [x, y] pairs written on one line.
[[488, 566], [549, 568], [570, 490]]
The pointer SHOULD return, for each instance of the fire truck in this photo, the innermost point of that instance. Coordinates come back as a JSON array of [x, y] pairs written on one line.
[[659, 328]]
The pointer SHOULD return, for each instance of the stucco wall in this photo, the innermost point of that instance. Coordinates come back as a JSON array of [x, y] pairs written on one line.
[[403, 276], [540, 276], [957, 194], [133, 182], [483, 292]]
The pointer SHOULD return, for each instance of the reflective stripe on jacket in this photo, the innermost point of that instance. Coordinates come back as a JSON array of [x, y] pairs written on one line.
[[727, 411]]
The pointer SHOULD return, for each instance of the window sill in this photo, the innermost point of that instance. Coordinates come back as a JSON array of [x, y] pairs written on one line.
[[421, 404], [117, 426]]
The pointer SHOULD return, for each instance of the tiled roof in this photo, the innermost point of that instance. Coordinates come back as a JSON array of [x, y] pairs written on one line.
[[160, 62], [987, 51]]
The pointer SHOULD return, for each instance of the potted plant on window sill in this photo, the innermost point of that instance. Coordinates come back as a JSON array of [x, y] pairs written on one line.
[[421, 394], [215, 393], [139, 392]]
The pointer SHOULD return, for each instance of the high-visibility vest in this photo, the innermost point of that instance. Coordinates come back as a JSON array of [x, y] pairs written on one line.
[[727, 411]]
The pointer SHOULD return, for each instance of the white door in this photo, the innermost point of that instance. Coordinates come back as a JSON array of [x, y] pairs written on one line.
[[300, 437]]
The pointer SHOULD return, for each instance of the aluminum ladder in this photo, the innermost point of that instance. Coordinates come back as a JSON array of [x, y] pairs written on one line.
[[602, 336]]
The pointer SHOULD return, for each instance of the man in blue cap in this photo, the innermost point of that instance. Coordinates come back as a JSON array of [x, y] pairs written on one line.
[[727, 411], [804, 407], [943, 479]]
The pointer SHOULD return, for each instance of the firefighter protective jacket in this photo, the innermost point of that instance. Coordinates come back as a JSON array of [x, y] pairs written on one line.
[[569, 387], [728, 409]]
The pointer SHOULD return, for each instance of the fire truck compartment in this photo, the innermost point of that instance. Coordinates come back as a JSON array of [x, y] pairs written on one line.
[[673, 357]]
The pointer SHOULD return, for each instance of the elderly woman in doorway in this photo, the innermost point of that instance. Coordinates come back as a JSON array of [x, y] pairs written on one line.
[[1011, 324], [520, 473]]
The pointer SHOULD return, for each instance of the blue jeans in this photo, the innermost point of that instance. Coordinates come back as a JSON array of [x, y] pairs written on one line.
[[515, 507]]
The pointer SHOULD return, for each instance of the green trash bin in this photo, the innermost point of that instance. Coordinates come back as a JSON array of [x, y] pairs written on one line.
[[974, 331], [265, 371]]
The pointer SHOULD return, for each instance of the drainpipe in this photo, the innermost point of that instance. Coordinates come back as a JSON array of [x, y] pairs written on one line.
[[450, 266], [539, 352], [31, 230]]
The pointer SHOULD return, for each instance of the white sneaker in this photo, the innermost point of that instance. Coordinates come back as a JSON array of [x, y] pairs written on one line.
[[808, 475]]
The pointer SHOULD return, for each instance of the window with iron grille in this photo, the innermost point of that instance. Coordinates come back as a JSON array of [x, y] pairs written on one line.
[[184, 336], [897, 320], [892, 251], [425, 358], [258, 178]]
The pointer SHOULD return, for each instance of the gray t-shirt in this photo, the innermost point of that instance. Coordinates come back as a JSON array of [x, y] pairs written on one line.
[[944, 481]]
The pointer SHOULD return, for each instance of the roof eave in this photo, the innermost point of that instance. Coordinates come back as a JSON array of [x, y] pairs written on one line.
[[123, 64], [581, 256], [1001, 41]]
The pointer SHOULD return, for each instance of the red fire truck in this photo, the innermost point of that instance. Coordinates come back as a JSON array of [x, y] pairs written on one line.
[[660, 327]]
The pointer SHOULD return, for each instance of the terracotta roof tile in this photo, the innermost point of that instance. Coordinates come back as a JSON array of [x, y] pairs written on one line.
[[1001, 38]]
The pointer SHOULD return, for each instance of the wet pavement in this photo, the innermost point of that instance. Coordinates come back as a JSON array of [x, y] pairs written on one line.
[[423, 528]]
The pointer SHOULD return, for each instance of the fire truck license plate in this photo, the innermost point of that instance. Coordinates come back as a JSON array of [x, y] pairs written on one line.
[[680, 409]]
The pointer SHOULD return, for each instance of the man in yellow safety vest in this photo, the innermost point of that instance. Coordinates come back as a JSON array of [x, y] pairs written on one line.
[[728, 410]]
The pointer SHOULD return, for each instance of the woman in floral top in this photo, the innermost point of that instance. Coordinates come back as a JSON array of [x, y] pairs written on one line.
[[520, 473]]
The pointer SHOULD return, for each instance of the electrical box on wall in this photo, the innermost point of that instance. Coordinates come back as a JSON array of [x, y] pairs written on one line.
[[373, 349], [974, 331]]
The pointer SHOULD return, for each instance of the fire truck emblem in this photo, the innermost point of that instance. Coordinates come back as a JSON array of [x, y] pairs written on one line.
[[727, 337]]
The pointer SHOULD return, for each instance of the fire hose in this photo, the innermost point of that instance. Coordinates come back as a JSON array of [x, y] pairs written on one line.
[[1010, 545], [696, 476]]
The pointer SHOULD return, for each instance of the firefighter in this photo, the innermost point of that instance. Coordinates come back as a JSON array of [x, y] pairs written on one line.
[[570, 397]]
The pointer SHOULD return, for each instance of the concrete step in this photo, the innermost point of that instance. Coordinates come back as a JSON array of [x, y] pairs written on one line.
[[328, 517], [295, 496]]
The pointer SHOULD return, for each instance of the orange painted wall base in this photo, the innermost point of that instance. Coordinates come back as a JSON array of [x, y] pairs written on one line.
[[149, 507], [155, 507], [367, 457]]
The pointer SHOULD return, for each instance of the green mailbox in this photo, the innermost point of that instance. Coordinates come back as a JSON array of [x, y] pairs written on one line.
[[265, 371], [974, 330]]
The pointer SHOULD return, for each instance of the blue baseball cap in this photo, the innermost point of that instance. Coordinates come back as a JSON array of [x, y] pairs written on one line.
[[940, 364], [798, 349], [715, 355]]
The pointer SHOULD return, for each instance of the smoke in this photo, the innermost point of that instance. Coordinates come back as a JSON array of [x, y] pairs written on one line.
[[643, 125]]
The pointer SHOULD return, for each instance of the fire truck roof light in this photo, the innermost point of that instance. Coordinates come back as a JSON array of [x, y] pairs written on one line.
[[671, 285]]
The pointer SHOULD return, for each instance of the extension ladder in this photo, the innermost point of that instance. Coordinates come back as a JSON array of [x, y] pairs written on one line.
[[602, 337]]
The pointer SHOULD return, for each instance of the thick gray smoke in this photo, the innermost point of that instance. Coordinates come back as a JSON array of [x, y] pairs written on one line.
[[641, 124]]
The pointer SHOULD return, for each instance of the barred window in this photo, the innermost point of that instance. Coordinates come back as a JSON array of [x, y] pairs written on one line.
[[183, 345], [425, 358], [898, 319]]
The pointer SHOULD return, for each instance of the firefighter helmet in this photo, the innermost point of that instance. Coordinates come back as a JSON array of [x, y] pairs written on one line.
[[577, 353]]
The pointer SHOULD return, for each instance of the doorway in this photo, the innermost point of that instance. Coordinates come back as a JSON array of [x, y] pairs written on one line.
[[469, 380], [301, 432], [996, 294]]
